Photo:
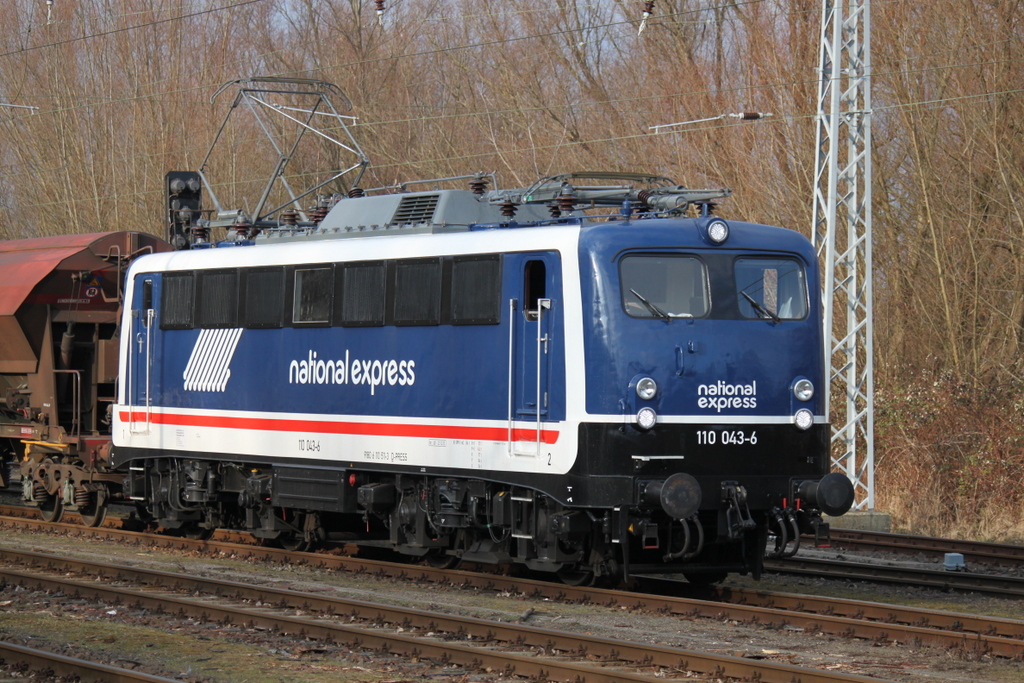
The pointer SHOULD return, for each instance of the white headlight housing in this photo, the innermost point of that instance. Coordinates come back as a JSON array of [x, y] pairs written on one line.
[[646, 388], [803, 419], [803, 390], [646, 418], [718, 231]]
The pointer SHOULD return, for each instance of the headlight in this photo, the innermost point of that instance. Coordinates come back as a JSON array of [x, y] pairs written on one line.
[[718, 231], [804, 390], [646, 388], [646, 418], [803, 419]]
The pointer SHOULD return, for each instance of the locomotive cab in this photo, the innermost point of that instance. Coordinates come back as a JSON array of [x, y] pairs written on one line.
[[704, 356]]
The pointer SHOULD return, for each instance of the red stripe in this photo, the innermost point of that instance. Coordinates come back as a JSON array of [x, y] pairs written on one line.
[[355, 428]]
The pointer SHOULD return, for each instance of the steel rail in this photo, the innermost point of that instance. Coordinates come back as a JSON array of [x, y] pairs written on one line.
[[875, 611], [863, 619], [616, 653], [62, 665], [938, 579]]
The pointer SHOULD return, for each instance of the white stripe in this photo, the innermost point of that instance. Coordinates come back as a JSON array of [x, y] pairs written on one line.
[[707, 419], [208, 367]]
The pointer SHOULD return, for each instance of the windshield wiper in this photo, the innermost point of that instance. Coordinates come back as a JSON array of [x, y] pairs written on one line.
[[765, 313], [651, 307]]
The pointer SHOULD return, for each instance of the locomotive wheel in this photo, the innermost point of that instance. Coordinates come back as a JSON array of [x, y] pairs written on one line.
[[195, 532], [293, 542], [705, 578], [576, 575], [96, 511], [438, 559], [51, 509]]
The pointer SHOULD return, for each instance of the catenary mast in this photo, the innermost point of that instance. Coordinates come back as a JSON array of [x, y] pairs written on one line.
[[841, 232]]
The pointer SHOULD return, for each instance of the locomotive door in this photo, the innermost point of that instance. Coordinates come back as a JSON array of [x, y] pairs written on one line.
[[530, 354], [140, 357]]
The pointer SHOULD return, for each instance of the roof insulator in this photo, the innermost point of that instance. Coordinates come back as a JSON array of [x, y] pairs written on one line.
[[566, 202], [478, 184]]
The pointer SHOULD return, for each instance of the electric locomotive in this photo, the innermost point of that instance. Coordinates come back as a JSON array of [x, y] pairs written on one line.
[[485, 375]]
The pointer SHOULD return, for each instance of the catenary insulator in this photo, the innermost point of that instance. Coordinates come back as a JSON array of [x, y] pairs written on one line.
[[648, 11], [380, 11]]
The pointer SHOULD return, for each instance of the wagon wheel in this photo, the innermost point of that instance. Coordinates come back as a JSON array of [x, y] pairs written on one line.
[[51, 506], [95, 512]]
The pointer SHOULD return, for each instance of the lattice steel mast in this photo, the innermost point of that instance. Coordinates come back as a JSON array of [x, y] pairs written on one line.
[[841, 231]]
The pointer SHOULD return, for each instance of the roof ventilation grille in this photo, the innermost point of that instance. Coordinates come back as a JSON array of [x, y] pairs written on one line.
[[416, 209]]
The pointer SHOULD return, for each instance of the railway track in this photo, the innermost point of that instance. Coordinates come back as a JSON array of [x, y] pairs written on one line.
[[907, 544], [513, 648], [917, 576], [865, 620]]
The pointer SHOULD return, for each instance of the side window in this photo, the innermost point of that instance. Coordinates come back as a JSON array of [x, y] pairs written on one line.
[[417, 287], [217, 299], [264, 298], [534, 279], [476, 290], [176, 301], [314, 288], [771, 287], [362, 294]]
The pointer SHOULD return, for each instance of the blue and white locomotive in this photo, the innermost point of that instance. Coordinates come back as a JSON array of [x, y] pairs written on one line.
[[460, 375]]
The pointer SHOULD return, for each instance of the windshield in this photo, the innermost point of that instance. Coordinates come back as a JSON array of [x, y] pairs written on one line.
[[772, 288], [663, 286]]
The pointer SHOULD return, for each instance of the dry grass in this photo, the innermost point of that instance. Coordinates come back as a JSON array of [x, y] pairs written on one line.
[[950, 460]]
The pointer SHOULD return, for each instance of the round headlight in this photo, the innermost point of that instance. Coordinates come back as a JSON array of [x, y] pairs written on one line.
[[646, 418], [804, 390], [803, 419], [646, 388], [718, 231]]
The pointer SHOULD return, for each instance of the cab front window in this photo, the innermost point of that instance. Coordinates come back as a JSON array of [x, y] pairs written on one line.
[[664, 286], [771, 288]]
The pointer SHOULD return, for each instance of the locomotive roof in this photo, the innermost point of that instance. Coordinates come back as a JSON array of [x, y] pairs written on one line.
[[564, 234]]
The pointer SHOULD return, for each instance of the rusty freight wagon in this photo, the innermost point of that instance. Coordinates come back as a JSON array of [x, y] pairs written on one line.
[[60, 303]]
